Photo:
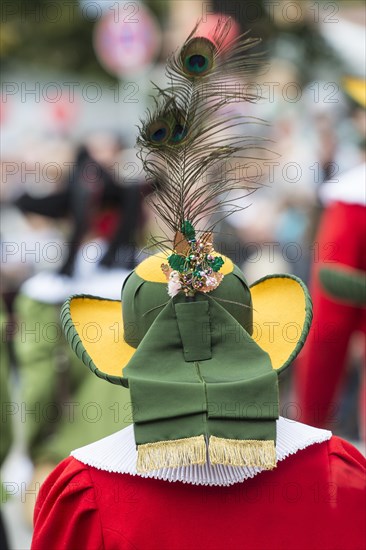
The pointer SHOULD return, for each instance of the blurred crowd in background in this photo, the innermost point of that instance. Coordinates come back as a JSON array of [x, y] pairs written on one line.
[[77, 77]]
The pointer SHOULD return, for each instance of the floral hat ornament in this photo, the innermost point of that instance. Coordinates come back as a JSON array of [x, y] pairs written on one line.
[[199, 350], [193, 266]]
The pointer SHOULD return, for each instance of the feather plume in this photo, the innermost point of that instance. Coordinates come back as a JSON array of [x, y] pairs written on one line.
[[191, 147]]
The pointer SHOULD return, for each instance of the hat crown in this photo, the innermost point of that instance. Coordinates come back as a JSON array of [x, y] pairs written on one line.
[[144, 295]]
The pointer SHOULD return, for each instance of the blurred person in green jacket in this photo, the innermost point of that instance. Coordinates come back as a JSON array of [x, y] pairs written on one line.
[[6, 432]]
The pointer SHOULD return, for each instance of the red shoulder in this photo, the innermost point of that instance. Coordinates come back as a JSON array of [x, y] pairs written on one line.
[[347, 466], [63, 478], [345, 450], [347, 485], [66, 513]]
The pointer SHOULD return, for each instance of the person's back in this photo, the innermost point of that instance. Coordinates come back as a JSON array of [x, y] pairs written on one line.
[[314, 499]]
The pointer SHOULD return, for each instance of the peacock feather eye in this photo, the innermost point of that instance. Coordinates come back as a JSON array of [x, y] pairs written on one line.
[[198, 56], [179, 133], [159, 131]]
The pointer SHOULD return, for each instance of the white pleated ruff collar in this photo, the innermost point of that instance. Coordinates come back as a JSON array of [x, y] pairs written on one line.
[[117, 453]]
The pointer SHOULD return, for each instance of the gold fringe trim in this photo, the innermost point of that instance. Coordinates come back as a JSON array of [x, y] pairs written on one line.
[[171, 454], [250, 452]]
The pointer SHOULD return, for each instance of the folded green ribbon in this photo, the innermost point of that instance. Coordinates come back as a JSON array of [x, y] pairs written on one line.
[[197, 372]]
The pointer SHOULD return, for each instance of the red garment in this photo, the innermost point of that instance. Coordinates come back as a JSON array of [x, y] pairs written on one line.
[[314, 499], [105, 223], [319, 371]]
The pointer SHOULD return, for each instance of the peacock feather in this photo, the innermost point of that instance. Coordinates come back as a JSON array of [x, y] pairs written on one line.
[[192, 147]]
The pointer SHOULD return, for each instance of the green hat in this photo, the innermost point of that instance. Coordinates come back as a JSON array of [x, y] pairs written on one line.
[[198, 371], [199, 350]]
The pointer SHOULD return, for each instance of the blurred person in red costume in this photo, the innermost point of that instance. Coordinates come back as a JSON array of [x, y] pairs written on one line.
[[340, 240]]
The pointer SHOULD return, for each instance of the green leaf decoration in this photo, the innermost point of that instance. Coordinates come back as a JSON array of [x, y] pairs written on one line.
[[217, 263], [177, 262], [188, 230]]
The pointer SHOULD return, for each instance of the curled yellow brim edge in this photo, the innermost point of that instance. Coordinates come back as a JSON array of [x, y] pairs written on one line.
[[282, 314]]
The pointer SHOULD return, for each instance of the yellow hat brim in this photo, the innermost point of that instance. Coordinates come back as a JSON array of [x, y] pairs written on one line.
[[356, 89], [94, 329], [281, 320], [282, 314]]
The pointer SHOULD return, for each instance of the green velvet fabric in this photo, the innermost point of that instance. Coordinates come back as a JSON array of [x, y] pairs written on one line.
[[198, 371], [194, 330], [144, 300]]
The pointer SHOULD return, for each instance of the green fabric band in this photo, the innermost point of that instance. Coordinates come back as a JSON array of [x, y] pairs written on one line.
[[196, 363], [253, 399], [143, 301], [194, 329], [178, 400]]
